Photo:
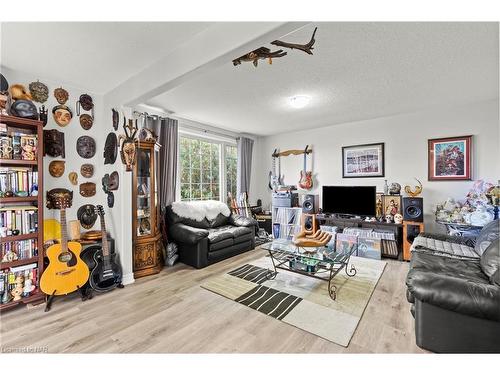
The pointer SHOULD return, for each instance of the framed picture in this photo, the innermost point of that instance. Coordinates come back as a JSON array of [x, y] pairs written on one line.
[[363, 160], [450, 158], [391, 204]]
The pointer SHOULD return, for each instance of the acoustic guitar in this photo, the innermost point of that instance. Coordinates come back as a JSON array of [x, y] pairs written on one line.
[[66, 272], [106, 275]]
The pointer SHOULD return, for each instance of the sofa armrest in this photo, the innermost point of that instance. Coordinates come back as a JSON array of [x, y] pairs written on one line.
[[242, 221], [444, 237], [185, 234]]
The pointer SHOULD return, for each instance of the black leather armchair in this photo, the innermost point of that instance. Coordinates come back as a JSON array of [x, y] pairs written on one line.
[[205, 242], [456, 299]]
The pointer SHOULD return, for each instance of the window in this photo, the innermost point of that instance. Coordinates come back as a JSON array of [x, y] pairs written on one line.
[[200, 165], [231, 160], [207, 168]]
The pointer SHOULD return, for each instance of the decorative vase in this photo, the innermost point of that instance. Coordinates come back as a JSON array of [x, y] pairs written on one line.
[[386, 188]]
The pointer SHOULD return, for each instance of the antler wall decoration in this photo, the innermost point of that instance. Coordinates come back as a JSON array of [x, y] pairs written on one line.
[[263, 53], [307, 48]]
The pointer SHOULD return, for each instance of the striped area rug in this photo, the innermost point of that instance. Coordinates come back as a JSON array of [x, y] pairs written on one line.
[[302, 301]]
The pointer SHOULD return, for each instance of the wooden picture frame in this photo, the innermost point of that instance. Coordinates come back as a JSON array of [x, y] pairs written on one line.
[[365, 160], [450, 159]]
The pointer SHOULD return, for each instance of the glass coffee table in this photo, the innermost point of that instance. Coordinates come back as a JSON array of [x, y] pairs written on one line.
[[321, 263]]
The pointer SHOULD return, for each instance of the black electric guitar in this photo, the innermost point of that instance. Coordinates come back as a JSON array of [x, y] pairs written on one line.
[[106, 273]]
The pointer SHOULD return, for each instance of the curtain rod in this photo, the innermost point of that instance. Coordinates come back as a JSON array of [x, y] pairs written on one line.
[[145, 114], [223, 135]]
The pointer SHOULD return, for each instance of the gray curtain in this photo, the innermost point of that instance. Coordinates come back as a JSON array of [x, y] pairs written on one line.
[[167, 131], [245, 146]]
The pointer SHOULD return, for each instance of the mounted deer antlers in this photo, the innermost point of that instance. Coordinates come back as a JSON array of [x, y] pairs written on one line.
[[261, 53], [307, 48]]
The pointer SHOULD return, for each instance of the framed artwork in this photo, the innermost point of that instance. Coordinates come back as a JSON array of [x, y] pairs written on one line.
[[363, 161], [450, 158], [391, 204]]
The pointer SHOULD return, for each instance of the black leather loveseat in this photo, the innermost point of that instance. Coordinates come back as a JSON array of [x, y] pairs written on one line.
[[204, 242], [455, 292]]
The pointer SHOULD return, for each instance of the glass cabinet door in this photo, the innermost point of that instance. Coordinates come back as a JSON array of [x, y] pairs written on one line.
[[145, 193]]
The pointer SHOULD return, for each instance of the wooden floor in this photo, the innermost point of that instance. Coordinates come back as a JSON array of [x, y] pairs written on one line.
[[171, 313]]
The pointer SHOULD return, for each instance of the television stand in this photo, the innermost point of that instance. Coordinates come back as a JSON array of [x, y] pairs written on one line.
[[342, 223]]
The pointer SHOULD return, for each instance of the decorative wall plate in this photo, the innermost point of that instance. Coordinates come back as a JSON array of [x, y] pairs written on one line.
[[85, 146], [62, 115], [87, 215], [116, 118], [25, 109], [53, 143], [61, 95], [56, 168], [86, 121], [87, 170], [39, 91], [87, 189], [73, 178], [110, 149]]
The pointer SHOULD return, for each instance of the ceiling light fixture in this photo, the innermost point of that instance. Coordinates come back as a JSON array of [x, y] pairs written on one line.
[[299, 101]]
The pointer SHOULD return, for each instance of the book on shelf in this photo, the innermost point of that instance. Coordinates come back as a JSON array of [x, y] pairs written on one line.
[[21, 181], [18, 250], [23, 219]]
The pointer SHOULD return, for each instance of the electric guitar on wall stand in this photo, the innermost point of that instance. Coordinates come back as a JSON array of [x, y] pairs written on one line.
[[306, 181], [66, 272], [106, 274], [275, 180]]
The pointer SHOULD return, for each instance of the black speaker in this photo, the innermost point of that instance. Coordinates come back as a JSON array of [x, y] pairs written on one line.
[[310, 204], [413, 209]]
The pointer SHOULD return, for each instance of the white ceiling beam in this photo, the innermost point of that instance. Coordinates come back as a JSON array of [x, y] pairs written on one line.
[[207, 50]]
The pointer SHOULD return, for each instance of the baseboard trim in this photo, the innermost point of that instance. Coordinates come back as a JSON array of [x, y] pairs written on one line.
[[128, 279]]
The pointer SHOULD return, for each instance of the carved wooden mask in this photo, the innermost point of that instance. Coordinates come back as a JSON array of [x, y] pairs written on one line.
[[53, 143], [85, 146]]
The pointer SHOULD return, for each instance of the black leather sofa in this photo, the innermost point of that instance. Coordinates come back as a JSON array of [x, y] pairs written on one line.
[[456, 297], [205, 242]]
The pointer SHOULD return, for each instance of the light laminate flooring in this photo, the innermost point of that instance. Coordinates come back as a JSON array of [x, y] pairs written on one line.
[[170, 313]]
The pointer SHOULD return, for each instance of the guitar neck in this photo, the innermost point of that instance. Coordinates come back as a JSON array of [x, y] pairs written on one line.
[[105, 248], [64, 231]]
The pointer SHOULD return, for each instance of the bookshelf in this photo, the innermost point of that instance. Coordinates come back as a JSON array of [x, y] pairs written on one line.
[[28, 243], [288, 220]]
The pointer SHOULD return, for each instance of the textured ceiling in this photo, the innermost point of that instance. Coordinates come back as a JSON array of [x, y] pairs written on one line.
[[95, 55], [358, 71]]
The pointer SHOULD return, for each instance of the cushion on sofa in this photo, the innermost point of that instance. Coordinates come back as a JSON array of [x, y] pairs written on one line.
[[444, 246], [488, 234], [225, 232], [490, 260], [453, 284]]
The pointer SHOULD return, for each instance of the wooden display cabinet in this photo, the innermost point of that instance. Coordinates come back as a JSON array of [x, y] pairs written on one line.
[[21, 126], [148, 244]]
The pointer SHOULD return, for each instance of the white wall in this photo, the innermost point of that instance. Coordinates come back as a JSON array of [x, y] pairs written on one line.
[[115, 217], [405, 137]]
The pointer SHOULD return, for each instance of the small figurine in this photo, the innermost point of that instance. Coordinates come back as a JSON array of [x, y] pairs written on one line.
[[395, 189], [28, 151], [18, 289], [398, 218], [28, 287], [9, 256], [388, 218]]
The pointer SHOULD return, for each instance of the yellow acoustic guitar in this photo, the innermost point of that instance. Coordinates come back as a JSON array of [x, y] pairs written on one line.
[[66, 272]]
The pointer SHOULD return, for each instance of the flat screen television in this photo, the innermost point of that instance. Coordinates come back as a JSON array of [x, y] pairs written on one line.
[[349, 200]]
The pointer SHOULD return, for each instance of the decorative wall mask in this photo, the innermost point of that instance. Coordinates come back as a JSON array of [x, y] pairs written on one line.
[[24, 108], [53, 143], [73, 178], [110, 149], [111, 199], [56, 168], [146, 135], [114, 181], [42, 115], [85, 146], [4, 84], [62, 114], [87, 189], [4, 99], [87, 170], [85, 101], [116, 118], [19, 92], [105, 183], [86, 121], [61, 95], [39, 91], [87, 215], [128, 149]]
